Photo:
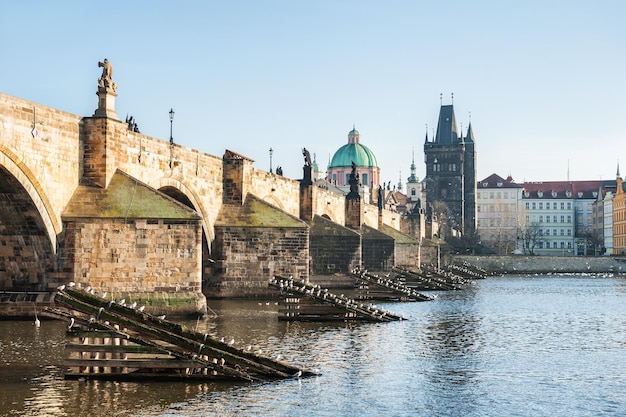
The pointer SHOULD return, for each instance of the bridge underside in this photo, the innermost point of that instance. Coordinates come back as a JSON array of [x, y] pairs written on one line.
[[26, 253]]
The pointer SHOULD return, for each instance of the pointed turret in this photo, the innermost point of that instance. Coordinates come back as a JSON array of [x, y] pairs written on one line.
[[447, 133], [470, 134]]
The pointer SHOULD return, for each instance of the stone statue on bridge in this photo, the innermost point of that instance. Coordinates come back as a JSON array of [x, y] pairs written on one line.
[[106, 80], [354, 183], [307, 157]]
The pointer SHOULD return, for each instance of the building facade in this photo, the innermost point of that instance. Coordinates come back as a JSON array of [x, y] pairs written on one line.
[[557, 218], [498, 214]]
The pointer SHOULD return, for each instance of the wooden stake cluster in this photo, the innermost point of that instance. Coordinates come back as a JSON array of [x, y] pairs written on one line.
[[117, 342], [306, 302], [375, 287], [425, 281]]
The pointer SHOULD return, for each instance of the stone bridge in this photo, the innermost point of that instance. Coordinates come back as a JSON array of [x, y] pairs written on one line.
[[88, 199]]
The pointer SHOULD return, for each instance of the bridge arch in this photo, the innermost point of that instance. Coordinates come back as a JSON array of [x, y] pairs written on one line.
[[271, 199], [187, 196], [28, 226]]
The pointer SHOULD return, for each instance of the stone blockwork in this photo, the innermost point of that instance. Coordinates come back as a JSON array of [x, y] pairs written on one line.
[[519, 264], [378, 250], [335, 249], [254, 242]]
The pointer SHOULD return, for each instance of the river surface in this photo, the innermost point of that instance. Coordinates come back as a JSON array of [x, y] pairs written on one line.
[[506, 346]]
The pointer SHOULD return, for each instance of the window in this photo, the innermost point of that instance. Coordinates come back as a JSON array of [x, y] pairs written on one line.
[[569, 205], [413, 191], [569, 219], [491, 195], [554, 232], [534, 205], [569, 232], [527, 205], [562, 232], [562, 219], [554, 206], [540, 206], [562, 245], [554, 219], [562, 205], [554, 245], [540, 219], [364, 179], [547, 232]]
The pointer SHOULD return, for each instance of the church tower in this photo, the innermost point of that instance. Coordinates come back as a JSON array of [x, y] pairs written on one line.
[[451, 174]]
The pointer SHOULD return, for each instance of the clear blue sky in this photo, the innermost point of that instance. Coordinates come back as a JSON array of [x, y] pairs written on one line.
[[542, 80]]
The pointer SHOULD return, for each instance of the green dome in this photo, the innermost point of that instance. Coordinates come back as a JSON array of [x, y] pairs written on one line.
[[360, 154]]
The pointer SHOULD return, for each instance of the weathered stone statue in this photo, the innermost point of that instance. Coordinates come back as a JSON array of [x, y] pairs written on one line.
[[107, 93], [307, 157], [380, 197], [354, 183], [106, 80]]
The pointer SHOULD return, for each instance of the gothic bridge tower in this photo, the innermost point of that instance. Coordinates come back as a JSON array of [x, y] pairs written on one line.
[[451, 174]]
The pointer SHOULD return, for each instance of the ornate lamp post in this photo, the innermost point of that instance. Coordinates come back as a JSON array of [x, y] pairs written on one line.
[[171, 123], [271, 152]]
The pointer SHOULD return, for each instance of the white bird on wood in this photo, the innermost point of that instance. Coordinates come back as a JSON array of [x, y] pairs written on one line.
[[37, 322], [141, 308], [122, 301], [71, 284], [61, 287], [71, 324], [100, 310], [133, 305], [297, 374], [161, 317], [104, 294], [231, 341]]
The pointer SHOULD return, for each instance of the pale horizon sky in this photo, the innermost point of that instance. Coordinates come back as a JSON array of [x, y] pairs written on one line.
[[543, 81]]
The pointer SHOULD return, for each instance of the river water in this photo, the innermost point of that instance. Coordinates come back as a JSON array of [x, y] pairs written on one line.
[[506, 346]]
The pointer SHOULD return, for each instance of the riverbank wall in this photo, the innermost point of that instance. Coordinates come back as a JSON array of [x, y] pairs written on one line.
[[520, 264]]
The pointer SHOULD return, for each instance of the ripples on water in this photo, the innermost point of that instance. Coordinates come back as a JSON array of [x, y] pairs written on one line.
[[514, 346]]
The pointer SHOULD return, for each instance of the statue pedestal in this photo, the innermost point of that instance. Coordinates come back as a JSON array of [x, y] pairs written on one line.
[[106, 104]]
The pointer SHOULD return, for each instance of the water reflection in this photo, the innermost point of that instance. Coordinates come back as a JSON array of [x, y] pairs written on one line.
[[512, 346]]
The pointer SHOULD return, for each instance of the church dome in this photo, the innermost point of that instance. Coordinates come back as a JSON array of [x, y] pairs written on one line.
[[353, 151]]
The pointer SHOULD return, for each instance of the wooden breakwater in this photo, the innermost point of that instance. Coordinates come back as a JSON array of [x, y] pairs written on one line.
[[425, 281], [384, 288], [307, 302], [526, 264], [115, 341]]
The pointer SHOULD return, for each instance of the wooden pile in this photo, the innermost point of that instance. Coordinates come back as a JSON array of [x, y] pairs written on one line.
[[374, 287], [425, 280], [114, 341], [306, 302]]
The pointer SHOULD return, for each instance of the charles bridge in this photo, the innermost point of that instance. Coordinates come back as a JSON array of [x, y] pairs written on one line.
[[88, 199]]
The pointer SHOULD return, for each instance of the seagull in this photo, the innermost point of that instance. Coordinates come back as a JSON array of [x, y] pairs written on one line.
[[133, 305], [231, 341], [122, 301], [161, 317], [297, 374], [104, 294], [70, 284], [61, 287], [71, 324], [141, 308], [37, 322], [100, 310]]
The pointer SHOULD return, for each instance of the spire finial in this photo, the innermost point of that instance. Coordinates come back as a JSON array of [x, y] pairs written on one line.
[[618, 175], [452, 98], [441, 99]]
